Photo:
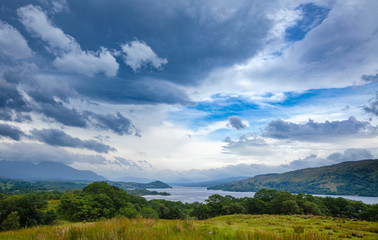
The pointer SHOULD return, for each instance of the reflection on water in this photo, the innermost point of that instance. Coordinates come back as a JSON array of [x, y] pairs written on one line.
[[200, 194]]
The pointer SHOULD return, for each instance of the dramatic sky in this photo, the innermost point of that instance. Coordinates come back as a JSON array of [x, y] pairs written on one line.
[[176, 89]]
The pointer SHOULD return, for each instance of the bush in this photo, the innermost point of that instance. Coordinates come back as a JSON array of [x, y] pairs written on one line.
[[128, 211], [290, 207], [149, 213], [12, 221], [311, 208]]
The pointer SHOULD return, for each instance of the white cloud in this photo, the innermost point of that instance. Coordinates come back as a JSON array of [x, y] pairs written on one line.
[[88, 63], [282, 19], [334, 54], [36, 21], [70, 56], [12, 43], [139, 55], [59, 5]]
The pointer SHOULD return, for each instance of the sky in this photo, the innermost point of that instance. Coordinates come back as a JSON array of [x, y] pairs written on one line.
[[188, 90]]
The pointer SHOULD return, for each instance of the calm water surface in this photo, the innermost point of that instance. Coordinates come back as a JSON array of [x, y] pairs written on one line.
[[200, 194]]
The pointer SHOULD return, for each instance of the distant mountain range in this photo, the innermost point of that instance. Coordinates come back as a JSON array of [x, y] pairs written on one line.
[[16, 186], [134, 179], [131, 185], [347, 178], [210, 183], [45, 171]]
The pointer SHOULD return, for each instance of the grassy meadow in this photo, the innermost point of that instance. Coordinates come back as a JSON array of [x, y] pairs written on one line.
[[224, 227]]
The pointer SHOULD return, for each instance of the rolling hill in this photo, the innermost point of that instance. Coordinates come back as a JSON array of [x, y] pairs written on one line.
[[45, 171], [347, 178]]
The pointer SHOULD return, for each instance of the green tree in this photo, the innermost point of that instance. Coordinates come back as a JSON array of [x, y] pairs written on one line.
[[12, 222], [311, 208], [290, 207], [200, 211], [266, 195], [149, 213], [28, 206], [234, 208], [255, 206], [278, 200], [128, 211]]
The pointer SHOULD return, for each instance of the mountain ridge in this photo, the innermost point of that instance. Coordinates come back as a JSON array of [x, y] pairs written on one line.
[[45, 171], [346, 178]]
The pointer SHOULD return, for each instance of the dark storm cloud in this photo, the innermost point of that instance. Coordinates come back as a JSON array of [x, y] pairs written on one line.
[[56, 137], [372, 107], [116, 123], [10, 97], [236, 122], [56, 110], [200, 36], [51, 101], [12, 104], [142, 91], [311, 130], [51, 108], [370, 78], [11, 132]]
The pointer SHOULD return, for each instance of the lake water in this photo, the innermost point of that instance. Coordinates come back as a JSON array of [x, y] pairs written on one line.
[[200, 194]]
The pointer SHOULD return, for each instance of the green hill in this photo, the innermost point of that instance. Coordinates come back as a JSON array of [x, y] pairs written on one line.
[[347, 178], [16, 186]]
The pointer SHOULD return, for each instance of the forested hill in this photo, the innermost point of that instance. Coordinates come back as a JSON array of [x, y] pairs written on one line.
[[155, 184], [45, 171], [347, 178]]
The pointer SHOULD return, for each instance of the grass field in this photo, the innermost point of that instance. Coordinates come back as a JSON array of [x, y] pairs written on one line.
[[225, 227]]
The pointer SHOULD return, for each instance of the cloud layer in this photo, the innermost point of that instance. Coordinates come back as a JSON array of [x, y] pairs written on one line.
[[317, 131], [69, 56], [11, 132], [12, 43], [229, 87], [56, 137]]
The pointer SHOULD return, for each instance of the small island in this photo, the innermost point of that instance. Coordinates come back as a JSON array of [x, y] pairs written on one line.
[[143, 192]]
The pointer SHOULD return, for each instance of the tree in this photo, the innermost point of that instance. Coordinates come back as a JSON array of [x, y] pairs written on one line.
[[255, 206], [234, 208], [200, 211], [278, 200], [266, 195], [311, 208], [29, 208], [290, 207], [128, 211], [12, 222], [149, 213]]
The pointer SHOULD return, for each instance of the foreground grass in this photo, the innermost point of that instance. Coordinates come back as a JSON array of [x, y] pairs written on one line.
[[225, 227]]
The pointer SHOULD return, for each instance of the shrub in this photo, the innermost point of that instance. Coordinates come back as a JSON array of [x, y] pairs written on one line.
[[11, 222]]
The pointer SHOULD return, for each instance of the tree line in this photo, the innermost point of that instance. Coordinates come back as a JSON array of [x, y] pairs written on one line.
[[100, 200]]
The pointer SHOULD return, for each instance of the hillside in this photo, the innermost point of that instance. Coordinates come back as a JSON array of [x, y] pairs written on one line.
[[211, 183], [347, 178], [131, 185], [45, 171], [16, 186]]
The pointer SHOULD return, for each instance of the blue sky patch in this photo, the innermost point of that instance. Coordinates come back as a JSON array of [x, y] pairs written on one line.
[[313, 15]]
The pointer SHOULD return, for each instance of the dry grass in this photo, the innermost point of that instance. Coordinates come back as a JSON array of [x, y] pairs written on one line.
[[226, 227]]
